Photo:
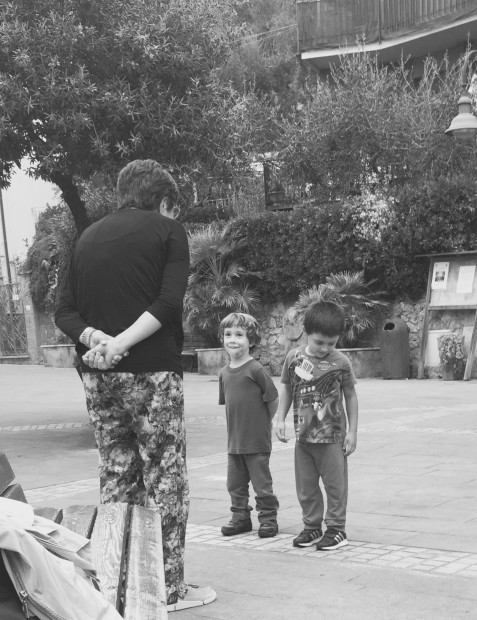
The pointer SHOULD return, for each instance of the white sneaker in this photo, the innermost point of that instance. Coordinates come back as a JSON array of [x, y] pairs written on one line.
[[194, 597]]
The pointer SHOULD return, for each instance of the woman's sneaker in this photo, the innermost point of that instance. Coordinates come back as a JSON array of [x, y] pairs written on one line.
[[307, 538], [195, 597], [333, 539]]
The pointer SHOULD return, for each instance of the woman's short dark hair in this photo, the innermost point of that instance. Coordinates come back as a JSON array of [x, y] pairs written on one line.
[[144, 184], [324, 317]]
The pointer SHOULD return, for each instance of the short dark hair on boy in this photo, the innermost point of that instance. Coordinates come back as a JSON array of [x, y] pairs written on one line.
[[324, 317], [246, 322]]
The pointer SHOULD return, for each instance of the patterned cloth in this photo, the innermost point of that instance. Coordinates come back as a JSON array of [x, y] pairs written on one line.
[[138, 423]]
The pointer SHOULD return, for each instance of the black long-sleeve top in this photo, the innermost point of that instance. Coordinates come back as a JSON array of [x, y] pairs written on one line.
[[129, 262]]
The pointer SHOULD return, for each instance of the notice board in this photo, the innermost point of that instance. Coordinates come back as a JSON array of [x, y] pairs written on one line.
[[452, 285]]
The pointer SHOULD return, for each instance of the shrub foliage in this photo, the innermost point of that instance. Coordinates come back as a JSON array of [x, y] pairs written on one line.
[[379, 235]]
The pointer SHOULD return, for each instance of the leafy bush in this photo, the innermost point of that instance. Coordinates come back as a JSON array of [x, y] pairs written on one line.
[[42, 263], [374, 233], [361, 304], [434, 217], [451, 350], [205, 214], [55, 237]]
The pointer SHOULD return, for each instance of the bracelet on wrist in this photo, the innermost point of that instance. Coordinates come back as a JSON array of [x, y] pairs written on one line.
[[85, 337], [90, 337]]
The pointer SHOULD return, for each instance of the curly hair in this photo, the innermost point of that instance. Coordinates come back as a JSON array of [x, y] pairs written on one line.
[[246, 322]]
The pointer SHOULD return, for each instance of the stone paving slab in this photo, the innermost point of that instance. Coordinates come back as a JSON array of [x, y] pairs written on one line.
[[43, 427], [413, 500], [373, 554], [256, 585]]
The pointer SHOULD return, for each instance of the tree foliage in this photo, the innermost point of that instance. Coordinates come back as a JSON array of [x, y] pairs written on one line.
[[374, 126], [88, 85], [265, 58]]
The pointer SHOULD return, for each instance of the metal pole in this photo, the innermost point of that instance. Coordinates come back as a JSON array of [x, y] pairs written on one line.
[[380, 22], [9, 287], [5, 243]]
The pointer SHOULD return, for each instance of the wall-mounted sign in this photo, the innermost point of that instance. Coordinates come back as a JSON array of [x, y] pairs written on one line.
[[439, 276], [465, 279]]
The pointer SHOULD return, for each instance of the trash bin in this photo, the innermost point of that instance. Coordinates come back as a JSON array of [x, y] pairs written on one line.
[[395, 349]]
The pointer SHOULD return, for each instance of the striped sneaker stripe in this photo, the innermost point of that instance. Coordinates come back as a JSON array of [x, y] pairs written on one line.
[[335, 542]]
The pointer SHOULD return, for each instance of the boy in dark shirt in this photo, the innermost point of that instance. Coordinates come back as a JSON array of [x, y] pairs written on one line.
[[315, 378], [251, 400]]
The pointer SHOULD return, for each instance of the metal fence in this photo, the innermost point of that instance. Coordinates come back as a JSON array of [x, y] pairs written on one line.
[[330, 23], [13, 339]]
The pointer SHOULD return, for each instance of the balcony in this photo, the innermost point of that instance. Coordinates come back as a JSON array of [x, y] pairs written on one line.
[[390, 28]]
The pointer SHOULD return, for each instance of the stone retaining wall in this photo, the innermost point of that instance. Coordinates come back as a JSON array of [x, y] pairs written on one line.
[[280, 333]]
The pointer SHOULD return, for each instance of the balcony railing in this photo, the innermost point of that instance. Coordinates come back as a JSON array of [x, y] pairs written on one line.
[[335, 23]]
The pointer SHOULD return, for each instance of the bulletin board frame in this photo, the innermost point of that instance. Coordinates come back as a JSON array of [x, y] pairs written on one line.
[[451, 285]]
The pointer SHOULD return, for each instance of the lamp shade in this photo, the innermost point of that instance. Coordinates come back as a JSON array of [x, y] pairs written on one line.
[[464, 125]]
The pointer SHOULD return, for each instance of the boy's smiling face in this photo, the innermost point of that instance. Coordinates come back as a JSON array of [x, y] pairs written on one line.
[[236, 343], [320, 345]]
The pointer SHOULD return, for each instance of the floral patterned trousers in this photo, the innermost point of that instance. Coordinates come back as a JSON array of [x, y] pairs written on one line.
[[139, 428]]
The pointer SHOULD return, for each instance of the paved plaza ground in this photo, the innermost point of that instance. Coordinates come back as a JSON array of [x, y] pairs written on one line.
[[412, 516]]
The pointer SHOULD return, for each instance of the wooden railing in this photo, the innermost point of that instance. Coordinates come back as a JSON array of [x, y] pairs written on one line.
[[333, 23]]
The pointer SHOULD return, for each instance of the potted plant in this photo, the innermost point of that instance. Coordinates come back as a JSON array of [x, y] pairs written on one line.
[[451, 355], [217, 286]]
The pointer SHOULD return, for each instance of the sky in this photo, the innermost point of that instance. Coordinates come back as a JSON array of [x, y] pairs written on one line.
[[22, 202]]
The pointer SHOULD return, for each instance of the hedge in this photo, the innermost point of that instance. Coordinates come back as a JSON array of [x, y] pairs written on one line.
[[377, 234]]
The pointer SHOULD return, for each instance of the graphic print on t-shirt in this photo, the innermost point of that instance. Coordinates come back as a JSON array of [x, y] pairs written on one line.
[[317, 402]]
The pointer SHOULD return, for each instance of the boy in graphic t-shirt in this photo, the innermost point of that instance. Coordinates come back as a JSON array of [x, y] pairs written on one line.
[[250, 398], [315, 378]]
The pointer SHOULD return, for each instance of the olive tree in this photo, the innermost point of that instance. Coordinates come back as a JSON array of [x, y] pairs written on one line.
[[88, 85], [374, 126]]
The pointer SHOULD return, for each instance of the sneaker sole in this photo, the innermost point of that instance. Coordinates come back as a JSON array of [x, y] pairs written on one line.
[[308, 544], [180, 605], [267, 535], [343, 543], [249, 529]]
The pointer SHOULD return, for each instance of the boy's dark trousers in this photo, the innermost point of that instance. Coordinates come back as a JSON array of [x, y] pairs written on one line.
[[254, 468], [326, 461]]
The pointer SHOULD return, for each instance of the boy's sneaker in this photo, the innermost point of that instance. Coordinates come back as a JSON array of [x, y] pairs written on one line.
[[237, 527], [307, 538], [268, 530], [333, 539], [195, 597]]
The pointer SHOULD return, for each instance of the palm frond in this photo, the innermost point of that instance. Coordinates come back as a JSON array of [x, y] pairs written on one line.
[[217, 283], [349, 290]]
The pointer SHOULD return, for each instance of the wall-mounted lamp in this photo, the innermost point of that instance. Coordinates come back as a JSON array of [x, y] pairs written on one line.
[[464, 125]]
